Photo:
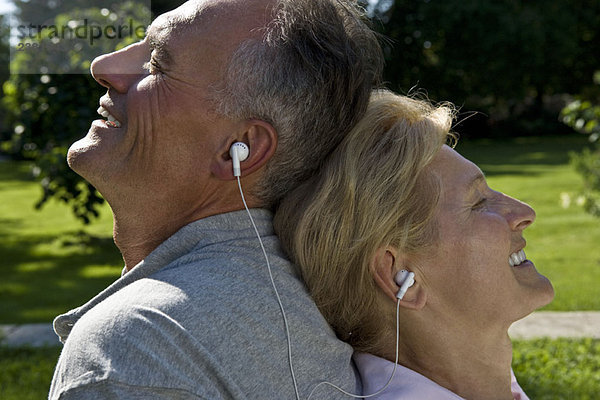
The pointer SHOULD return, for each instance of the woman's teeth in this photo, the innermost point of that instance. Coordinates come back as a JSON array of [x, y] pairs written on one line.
[[517, 258], [112, 121]]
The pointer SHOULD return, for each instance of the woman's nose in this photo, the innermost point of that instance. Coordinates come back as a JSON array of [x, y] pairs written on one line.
[[120, 69], [519, 214]]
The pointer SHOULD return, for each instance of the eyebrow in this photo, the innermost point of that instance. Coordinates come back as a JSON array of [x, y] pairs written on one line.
[[157, 45], [475, 180], [479, 176]]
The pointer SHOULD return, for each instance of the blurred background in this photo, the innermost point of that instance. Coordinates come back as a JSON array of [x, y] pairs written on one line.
[[524, 74], [515, 69]]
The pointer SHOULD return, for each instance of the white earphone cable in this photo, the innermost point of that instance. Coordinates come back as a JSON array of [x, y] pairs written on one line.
[[285, 322], [393, 371], [287, 330]]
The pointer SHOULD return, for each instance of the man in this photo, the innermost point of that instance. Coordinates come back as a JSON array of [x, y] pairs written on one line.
[[194, 315]]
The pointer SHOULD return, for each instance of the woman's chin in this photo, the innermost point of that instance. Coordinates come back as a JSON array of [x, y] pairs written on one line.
[[539, 295]]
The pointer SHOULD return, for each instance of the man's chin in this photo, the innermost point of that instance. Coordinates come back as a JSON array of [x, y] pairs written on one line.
[[89, 159], [89, 147], [79, 152]]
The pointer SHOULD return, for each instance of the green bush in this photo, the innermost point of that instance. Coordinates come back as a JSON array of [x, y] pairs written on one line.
[[510, 60], [4, 70], [583, 115], [47, 112]]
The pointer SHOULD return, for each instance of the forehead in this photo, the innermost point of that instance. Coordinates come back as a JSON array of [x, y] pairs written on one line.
[[208, 28], [181, 27], [456, 173]]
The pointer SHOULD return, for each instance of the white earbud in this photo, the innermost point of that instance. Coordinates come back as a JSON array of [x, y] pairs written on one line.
[[239, 152], [404, 279]]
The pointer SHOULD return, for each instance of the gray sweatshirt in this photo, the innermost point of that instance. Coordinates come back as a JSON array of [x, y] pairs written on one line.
[[198, 319]]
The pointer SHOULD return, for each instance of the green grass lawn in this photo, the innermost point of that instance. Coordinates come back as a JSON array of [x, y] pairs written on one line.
[[563, 369], [564, 243], [546, 369], [26, 373], [50, 262]]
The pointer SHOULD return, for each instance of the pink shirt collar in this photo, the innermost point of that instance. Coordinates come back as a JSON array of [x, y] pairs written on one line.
[[407, 384]]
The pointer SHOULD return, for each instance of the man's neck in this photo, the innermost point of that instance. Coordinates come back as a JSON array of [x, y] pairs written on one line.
[[138, 231], [474, 364], [138, 237]]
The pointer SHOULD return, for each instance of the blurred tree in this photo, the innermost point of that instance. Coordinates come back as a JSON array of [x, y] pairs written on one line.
[[505, 58], [48, 112], [37, 10], [583, 115], [162, 6], [4, 71], [500, 57]]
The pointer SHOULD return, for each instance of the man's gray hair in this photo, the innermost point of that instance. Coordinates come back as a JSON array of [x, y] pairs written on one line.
[[310, 76]]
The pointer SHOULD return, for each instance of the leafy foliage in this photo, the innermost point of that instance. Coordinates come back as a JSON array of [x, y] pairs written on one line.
[[510, 60], [48, 112], [506, 59], [43, 132], [162, 6], [4, 70], [583, 115]]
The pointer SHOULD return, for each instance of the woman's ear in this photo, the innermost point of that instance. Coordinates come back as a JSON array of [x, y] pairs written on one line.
[[385, 264], [415, 297], [261, 139]]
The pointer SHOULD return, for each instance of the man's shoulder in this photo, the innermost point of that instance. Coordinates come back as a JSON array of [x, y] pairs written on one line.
[[194, 300], [205, 313], [230, 274], [139, 341]]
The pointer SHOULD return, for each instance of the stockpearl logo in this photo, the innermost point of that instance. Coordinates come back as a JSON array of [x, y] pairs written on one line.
[[68, 38]]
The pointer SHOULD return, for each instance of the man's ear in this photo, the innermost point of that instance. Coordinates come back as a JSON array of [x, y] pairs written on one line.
[[261, 138], [385, 264]]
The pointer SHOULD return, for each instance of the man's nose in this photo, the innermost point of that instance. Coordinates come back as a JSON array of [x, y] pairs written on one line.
[[120, 69]]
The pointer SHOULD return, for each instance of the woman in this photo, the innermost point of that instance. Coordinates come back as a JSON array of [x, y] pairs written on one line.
[[393, 196]]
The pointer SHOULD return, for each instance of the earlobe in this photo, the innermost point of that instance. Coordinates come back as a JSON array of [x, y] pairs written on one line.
[[415, 298]]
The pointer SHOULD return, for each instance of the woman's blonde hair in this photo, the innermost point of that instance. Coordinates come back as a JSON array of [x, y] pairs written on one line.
[[371, 192]]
